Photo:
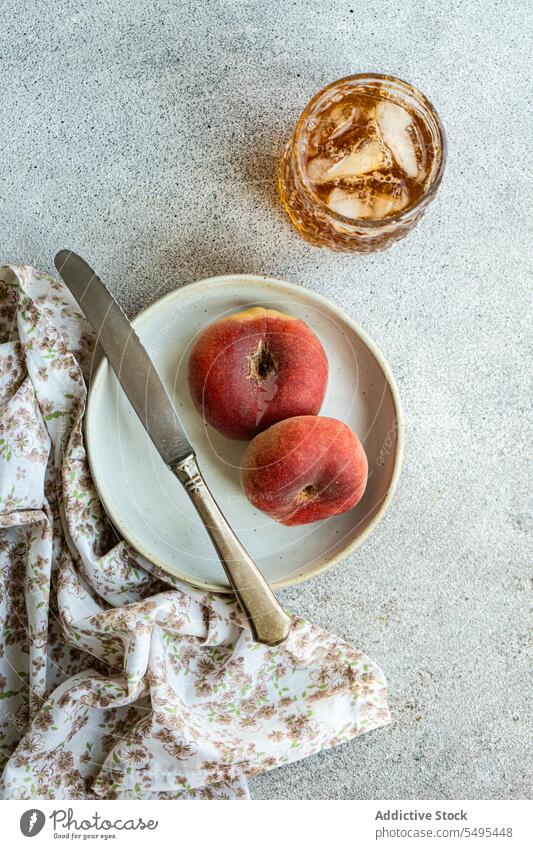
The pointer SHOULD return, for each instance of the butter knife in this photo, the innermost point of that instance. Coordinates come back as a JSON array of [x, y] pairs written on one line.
[[138, 378]]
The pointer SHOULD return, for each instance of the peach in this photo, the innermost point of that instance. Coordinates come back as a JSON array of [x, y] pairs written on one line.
[[255, 368], [304, 469]]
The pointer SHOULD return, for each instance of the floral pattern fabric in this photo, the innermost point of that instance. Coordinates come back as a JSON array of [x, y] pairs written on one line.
[[116, 680]]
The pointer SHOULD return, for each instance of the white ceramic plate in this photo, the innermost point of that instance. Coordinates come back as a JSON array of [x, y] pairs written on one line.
[[147, 504]]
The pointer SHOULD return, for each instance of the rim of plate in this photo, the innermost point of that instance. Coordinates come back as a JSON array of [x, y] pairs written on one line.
[[285, 287]]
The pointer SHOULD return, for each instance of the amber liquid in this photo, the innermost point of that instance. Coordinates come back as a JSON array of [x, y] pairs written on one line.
[[367, 156]]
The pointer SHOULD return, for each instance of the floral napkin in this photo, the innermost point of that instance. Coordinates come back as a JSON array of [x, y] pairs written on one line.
[[117, 681]]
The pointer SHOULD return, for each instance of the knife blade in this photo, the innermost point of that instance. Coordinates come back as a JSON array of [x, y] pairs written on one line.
[[127, 357], [137, 375]]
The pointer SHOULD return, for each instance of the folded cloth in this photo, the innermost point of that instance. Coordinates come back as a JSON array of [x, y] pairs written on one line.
[[116, 680]]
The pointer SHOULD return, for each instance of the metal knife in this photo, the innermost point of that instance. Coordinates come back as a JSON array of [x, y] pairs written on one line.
[[137, 375]]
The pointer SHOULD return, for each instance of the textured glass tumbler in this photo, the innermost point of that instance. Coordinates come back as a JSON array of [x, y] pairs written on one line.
[[310, 213]]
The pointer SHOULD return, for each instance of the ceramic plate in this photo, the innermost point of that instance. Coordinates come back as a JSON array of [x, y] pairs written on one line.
[[147, 504]]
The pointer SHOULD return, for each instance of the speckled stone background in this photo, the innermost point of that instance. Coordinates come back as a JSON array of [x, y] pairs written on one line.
[[146, 137]]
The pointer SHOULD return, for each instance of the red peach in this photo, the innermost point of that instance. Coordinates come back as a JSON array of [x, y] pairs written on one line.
[[304, 469], [255, 368]]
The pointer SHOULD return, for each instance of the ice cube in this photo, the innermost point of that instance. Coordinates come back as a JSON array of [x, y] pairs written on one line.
[[331, 124], [368, 156], [394, 123], [316, 168], [389, 204], [342, 117], [349, 204]]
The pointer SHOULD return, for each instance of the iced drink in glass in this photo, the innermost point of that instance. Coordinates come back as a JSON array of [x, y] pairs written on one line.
[[366, 159]]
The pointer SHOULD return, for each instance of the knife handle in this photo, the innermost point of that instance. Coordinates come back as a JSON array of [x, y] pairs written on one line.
[[268, 621]]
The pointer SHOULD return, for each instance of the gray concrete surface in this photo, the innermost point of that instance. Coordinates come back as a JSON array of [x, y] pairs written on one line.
[[146, 137]]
